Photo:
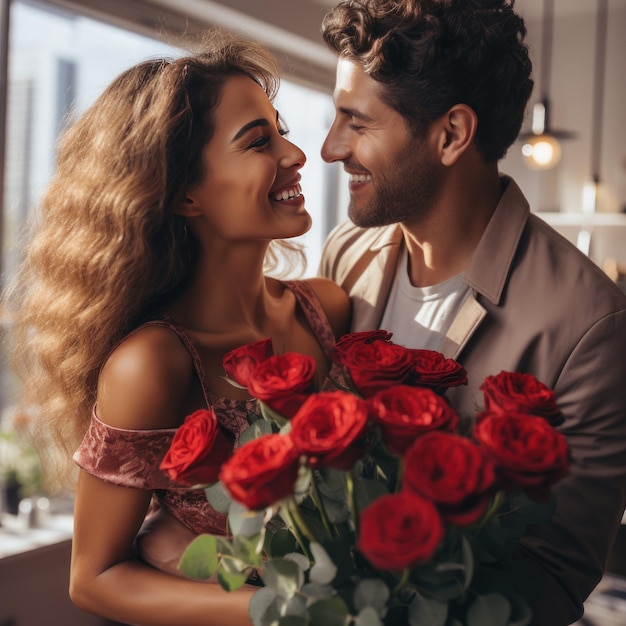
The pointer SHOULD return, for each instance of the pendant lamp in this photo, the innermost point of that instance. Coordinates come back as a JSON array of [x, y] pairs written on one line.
[[590, 188], [541, 148]]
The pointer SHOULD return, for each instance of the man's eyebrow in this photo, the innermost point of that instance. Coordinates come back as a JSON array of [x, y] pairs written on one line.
[[355, 113], [246, 127]]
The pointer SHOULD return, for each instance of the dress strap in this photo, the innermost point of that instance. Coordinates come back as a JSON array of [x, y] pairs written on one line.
[[314, 313], [192, 348]]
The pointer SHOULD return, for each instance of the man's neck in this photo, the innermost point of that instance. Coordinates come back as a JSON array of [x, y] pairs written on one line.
[[442, 245]]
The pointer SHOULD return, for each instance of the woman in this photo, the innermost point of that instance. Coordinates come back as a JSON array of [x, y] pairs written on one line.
[[146, 266]]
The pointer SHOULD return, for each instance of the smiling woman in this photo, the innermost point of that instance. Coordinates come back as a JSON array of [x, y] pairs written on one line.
[[145, 267], [50, 83]]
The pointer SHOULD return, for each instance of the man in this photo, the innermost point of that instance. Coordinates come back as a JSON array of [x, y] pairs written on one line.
[[444, 252]]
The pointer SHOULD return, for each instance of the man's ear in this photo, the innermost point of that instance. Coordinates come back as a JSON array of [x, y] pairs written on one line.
[[188, 207], [459, 126]]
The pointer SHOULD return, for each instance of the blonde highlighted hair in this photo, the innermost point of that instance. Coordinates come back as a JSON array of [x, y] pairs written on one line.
[[105, 249]]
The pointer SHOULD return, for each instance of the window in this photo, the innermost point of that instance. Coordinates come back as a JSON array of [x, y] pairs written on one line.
[[60, 61]]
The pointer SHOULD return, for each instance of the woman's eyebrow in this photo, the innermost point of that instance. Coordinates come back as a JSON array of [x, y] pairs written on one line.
[[246, 127]]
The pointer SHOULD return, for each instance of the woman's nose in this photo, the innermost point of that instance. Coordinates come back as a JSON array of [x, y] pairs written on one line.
[[293, 156]]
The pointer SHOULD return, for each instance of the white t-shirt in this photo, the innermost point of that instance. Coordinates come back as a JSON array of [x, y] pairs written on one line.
[[419, 317]]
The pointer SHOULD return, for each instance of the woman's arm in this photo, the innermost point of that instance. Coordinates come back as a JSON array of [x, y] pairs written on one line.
[[145, 384], [107, 579]]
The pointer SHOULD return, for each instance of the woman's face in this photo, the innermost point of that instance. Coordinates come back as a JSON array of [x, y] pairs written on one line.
[[251, 186]]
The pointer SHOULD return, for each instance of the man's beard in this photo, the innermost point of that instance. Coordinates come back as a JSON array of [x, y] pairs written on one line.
[[404, 193]]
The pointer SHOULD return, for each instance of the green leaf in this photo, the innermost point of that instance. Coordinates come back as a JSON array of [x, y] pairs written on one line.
[[218, 498], [271, 415], [427, 611], [342, 558], [283, 576], [323, 570], [245, 522], [491, 609], [279, 543], [329, 612], [366, 491], [293, 620], [199, 561], [263, 609], [231, 580], [299, 559], [372, 593], [314, 592], [368, 617], [468, 560], [249, 549], [297, 606], [255, 430]]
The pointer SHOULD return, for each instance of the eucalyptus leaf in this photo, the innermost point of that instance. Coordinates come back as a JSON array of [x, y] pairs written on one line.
[[323, 570], [231, 580], [491, 609], [368, 617], [296, 605], [366, 491], [372, 593], [427, 611], [329, 612], [262, 608], [284, 577], [279, 543], [218, 498], [249, 549], [292, 620], [468, 559], [245, 522], [299, 559], [200, 559], [272, 416], [313, 592], [255, 430], [225, 546]]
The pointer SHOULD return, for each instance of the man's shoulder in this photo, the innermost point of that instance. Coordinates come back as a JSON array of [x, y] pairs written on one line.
[[347, 243]]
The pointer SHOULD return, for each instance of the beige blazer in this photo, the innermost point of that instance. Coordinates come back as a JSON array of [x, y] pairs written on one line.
[[542, 307]]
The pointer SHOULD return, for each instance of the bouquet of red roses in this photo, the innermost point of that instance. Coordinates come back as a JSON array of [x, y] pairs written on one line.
[[360, 499]]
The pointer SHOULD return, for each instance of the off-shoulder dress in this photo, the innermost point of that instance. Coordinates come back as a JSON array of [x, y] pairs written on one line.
[[131, 458]]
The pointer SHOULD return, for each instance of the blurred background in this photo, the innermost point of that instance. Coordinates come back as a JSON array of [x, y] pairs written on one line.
[[56, 56]]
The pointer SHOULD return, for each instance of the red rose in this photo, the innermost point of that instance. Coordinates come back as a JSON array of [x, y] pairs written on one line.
[[284, 382], [431, 369], [529, 453], [452, 472], [399, 530], [404, 413], [376, 365], [331, 429], [241, 362], [514, 392], [198, 450], [262, 472], [366, 336]]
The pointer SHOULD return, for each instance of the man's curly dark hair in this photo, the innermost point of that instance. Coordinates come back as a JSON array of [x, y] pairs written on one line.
[[432, 54]]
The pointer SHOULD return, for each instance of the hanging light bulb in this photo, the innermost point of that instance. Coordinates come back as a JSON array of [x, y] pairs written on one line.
[[541, 148]]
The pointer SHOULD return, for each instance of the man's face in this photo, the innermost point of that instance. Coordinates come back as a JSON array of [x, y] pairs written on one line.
[[393, 174]]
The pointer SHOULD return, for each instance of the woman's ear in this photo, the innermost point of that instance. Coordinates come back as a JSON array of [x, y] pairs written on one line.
[[459, 127], [188, 207]]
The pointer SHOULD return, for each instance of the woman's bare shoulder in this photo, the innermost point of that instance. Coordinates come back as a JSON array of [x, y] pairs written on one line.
[[335, 302], [145, 381]]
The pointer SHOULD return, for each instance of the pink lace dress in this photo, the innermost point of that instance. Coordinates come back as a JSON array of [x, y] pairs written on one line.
[[131, 458]]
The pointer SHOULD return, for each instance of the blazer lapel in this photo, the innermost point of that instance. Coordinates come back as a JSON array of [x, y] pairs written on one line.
[[369, 289]]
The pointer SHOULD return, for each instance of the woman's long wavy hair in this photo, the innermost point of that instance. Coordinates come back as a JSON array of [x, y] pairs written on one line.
[[106, 249], [432, 54]]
